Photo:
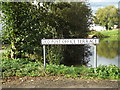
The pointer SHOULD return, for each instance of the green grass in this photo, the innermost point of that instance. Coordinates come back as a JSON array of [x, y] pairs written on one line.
[[112, 34], [26, 67], [96, 33]]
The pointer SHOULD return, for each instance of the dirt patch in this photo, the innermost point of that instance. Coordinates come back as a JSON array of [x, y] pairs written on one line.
[[57, 82]]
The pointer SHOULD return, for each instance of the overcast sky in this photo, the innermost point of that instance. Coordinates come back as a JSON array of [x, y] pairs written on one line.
[[95, 4], [104, 0]]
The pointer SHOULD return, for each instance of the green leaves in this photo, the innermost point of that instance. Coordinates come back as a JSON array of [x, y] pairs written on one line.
[[19, 67], [111, 71], [107, 16], [26, 24], [26, 67]]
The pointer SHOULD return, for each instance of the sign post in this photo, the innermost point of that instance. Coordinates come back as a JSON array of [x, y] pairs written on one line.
[[95, 56], [44, 57], [69, 42]]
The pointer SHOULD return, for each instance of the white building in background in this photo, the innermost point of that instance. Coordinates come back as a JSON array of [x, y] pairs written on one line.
[[97, 27]]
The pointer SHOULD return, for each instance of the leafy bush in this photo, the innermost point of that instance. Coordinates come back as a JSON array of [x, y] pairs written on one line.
[[26, 25], [106, 72], [54, 54], [19, 67]]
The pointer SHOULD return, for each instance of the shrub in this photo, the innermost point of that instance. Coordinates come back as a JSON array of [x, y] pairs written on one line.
[[26, 67], [19, 67], [106, 72]]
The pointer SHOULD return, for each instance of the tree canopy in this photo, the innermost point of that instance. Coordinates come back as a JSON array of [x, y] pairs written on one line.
[[107, 16], [25, 24]]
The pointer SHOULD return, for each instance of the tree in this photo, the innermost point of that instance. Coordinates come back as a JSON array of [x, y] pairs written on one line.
[[107, 16], [72, 21], [25, 24]]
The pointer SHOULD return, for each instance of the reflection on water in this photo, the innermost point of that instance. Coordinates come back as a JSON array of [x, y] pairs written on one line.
[[108, 49], [107, 53]]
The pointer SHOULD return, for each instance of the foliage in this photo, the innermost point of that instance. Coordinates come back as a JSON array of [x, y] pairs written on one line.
[[53, 56], [107, 72], [19, 67], [64, 70], [67, 17], [107, 16], [25, 24], [27, 67]]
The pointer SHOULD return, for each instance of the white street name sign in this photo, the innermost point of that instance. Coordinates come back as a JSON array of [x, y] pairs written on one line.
[[69, 41]]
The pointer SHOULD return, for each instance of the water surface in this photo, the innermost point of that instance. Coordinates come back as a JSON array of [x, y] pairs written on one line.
[[107, 53]]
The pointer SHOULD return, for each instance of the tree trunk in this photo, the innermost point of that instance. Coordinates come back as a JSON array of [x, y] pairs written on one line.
[[106, 26]]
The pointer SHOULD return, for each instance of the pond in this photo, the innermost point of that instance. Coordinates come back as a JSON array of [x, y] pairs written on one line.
[[107, 53]]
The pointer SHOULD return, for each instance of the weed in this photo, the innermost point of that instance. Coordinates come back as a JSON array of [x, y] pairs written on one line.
[[25, 67]]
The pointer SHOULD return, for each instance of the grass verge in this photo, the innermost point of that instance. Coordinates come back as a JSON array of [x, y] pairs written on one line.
[[112, 34]]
